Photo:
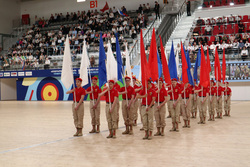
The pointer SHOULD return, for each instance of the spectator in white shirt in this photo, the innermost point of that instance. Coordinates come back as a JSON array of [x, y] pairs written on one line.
[[212, 46], [247, 44], [208, 29], [244, 53]]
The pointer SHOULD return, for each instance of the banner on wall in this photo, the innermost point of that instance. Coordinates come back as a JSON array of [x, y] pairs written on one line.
[[46, 84]]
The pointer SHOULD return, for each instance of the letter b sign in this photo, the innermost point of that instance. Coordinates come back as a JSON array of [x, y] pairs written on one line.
[[93, 4]]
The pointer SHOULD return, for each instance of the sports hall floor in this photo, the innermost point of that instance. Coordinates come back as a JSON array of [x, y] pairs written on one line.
[[39, 134]]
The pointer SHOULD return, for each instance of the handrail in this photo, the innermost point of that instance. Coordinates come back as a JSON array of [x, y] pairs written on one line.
[[148, 31]]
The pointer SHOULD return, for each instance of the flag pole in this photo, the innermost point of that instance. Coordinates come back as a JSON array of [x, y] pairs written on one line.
[[74, 86], [217, 82], [159, 92], [185, 95], [109, 98], [91, 87], [125, 89], [147, 95]]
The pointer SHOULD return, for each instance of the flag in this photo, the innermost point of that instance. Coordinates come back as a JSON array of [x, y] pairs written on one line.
[[177, 60], [152, 61], [120, 71], [217, 70], [102, 75], [197, 65], [172, 64], [106, 7], [165, 65], [23, 65], [128, 66], [84, 65], [190, 78], [224, 66], [204, 75], [144, 62], [184, 65], [67, 73], [111, 65], [159, 65], [121, 13]]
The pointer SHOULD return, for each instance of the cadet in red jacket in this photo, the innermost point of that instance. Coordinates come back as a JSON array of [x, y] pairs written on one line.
[[128, 94], [194, 109], [174, 104], [148, 98], [94, 91], [160, 108], [211, 101], [77, 106], [111, 95], [117, 87], [227, 99], [186, 104], [202, 103], [137, 102], [219, 92]]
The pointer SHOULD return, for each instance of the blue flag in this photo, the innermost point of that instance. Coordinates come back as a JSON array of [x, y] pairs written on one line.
[[172, 64], [102, 75], [197, 65], [159, 65], [190, 78], [119, 60]]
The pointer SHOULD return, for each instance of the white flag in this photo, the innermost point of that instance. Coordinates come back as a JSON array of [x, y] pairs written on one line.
[[84, 65], [111, 65], [128, 66], [67, 73]]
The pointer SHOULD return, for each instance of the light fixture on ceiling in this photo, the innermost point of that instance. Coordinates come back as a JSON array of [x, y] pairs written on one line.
[[81, 0], [231, 3], [200, 7]]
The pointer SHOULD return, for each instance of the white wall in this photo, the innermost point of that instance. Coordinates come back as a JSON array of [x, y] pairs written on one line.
[[9, 10], [240, 92], [223, 11], [8, 89], [46, 7]]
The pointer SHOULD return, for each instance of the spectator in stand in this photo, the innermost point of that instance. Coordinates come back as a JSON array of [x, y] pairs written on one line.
[[144, 8], [140, 9], [92, 61], [235, 44], [241, 27], [35, 64], [191, 40], [212, 21], [1, 62], [247, 45], [245, 37], [212, 46], [47, 64], [231, 19], [224, 45], [190, 48], [244, 53], [219, 21], [178, 49], [157, 10], [199, 22], [148, 8], [205, 47], [208, 30], [241, 45], [237, 19], [224, 20], [232, 38], [196, 47]]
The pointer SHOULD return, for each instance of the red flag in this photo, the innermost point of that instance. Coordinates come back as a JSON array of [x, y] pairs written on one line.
[[204, 75], [165, 65], [217, 70], [208, 61], [106, 7], [144, 63], [224, 66], [152, 61], [184, 66]]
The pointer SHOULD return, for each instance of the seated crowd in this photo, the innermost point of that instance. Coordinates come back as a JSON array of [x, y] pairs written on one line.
[[230, 33], [46, 38], [217, 3]]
